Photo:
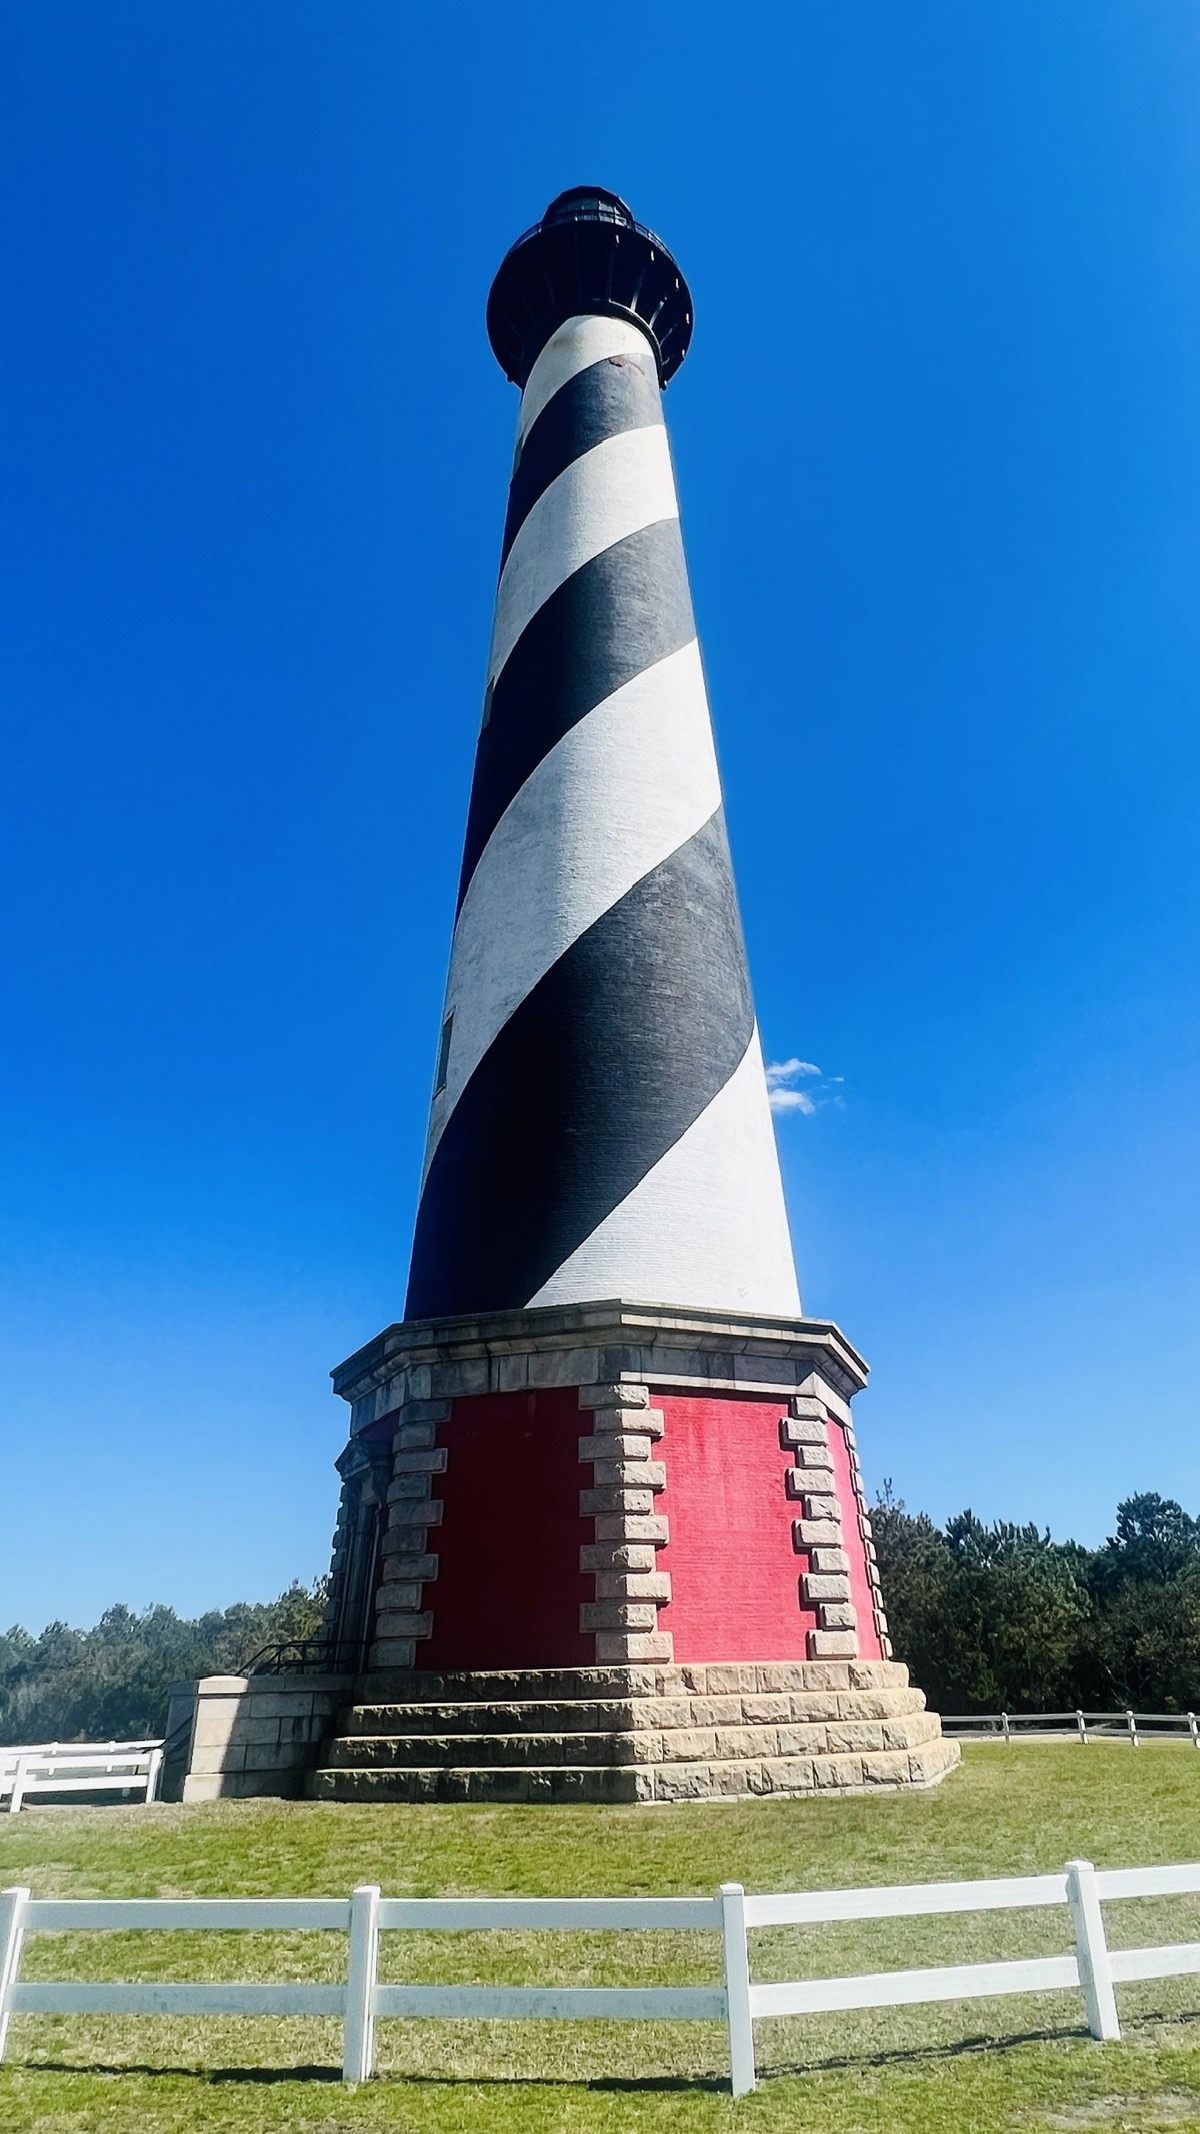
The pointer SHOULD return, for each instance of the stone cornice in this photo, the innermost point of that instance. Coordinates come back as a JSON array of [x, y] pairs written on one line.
[[607, 1325]]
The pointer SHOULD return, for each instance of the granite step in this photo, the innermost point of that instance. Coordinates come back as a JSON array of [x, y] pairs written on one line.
[[663, 1783], [572, 1717], [685, 1744], [626, 1679], [577, 1716], [366, 1751]]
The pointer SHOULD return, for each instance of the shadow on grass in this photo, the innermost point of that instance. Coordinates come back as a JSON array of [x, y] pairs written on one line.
[[962, 2048], [636, 2085]]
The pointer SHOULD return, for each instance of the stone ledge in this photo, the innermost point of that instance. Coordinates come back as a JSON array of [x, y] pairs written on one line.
[[705, 1780]]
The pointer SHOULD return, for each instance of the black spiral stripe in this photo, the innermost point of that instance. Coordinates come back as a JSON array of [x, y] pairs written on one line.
[[610, 1058], [621, 613], [610, 397]]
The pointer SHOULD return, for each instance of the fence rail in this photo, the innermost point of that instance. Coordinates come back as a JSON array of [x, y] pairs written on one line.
[[1086, 1725], [1089, 1967], [79, 1767]]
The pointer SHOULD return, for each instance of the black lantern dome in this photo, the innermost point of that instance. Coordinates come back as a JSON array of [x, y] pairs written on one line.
[[587, 254]]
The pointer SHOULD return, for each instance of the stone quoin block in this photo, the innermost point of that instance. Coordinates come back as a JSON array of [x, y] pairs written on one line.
[[430, 1462], [817, 1506], [820, 1586], [630, 1474], [607, 1422], [636, 1645], [595, 1501], [614, 1396], [622, 1447], [633, 1526], [404, 1623], [618, 1615], [833, 1644], [633, 1585], [830, 1559], [405, 1538], [411, 1436], [804, 1431], [422, 1567], [617, 1556], [806, 1458], [815, 1533]]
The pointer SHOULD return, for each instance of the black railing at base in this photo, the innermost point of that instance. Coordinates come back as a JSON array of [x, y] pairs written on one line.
[[300, 1656]]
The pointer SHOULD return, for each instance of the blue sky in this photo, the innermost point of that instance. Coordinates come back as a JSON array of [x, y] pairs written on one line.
[[938, 443]]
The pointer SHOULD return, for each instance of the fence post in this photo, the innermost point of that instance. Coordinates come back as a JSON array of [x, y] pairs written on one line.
[[1194, 1730], [1133, 1732], [358, 2031], [737, 1988], [1091, 1950], [12, 1934], [1083, 1732], [152, 1771], [1004, 1725], [18, 1786]]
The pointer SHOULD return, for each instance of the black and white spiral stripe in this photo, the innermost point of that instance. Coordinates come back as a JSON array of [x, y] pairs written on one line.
[[601, 1128]]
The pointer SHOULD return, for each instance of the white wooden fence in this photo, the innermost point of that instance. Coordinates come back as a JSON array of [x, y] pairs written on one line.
[[1090, 1967], [1087, 1726], [79, 1767]]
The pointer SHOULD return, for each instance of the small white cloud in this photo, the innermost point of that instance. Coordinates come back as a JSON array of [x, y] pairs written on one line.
[[789, 1100], [787, 1070]]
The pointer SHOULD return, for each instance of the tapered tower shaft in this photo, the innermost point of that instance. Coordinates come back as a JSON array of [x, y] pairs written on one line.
[[599, 1126]]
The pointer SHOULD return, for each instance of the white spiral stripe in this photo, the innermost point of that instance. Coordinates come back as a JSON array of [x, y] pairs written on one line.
[[562, 854], [612, 491], [579, 343], [707, 1227]]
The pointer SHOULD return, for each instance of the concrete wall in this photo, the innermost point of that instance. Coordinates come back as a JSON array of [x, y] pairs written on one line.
[[236, 1736]]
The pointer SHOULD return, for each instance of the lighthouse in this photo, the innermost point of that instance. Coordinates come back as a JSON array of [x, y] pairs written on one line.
[[603, 1531], [599, 1124]]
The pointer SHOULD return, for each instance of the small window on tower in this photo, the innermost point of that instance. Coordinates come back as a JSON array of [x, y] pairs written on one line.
[[439, 1082]]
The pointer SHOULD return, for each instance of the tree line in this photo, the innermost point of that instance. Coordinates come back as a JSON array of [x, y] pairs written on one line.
[[110, 1683], [989, 1618], [1002, 1618]]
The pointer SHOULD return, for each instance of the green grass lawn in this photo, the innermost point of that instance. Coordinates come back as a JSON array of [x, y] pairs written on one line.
[[1022, 2063]]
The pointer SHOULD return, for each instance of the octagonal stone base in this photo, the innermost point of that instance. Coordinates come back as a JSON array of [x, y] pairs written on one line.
[[654, 1734]]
